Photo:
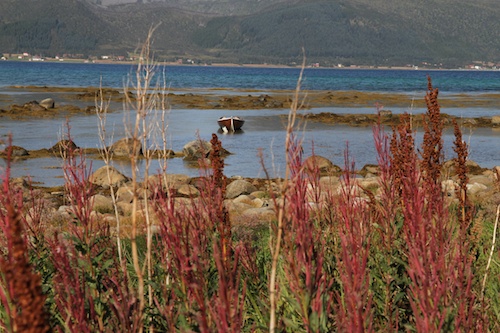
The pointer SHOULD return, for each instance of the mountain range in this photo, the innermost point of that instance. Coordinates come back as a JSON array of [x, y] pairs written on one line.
[[448, 33]]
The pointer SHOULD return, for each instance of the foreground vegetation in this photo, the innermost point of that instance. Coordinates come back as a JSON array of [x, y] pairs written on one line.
[[403, 258]]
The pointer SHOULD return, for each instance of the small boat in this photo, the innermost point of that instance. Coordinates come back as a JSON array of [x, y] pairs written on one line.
[[230, 124]]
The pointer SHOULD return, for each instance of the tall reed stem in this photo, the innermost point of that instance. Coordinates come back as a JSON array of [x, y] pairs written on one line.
[[276, 247]]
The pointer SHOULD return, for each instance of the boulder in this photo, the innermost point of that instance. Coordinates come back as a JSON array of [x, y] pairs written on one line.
[[100, 177], [188, 191], [495, 120], [19, 182], [235, 209], [33, 106], [370, 170], [64, 147], [102, 204], [260, 194], [196, 149], [329, 183], [474, 188], [125, 208], [482, 179], [125, 194], [239, 187], [16, 151], [449, 168], [369, 183], [48, 103], [448, 187], [385, 113], [124, 147], [323, 165], [496, 173], [249, 200], [168, 180], [257, 216]]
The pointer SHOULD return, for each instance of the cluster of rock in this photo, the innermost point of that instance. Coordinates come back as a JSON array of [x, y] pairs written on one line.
[[193, 151], [386, 117], [253, 102], [250, 203], [34, 106], [44, 108]]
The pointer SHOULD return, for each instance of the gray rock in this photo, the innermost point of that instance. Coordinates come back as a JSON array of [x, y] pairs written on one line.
[[249, 200], [188, 190], [196, 149], [469, 121], [239, 187], [19, 182], [125, 147], [385, 113], [236, 208], [323, 165], [16, 151], [125, 207], [260, 194], [495, 120], [102, 204], [64, 147], [124, 194], [449, 187], [100, 177], [168, 180], [449, 168], [257, 216], [48, 103], [496, 173], [368, 183], [329, 183], [370, 170], [476, 188], [482, 179], [33, 106]]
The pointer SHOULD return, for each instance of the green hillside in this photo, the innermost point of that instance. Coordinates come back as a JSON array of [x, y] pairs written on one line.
[[354, 31], [375, 32], [49, 27]]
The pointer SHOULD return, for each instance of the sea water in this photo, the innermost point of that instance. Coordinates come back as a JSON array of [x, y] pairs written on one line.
[[63, 74], [260, 146]]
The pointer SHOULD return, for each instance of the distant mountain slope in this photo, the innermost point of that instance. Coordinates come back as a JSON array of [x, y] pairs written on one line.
[[377, 32], [360, 31], [50, 26], [218, 7]]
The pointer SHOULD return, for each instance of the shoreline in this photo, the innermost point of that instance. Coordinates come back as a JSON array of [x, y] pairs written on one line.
[[13, 99], [170, 63]]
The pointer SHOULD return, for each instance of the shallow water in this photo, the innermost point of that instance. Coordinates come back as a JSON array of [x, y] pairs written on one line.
[[264, 132], [263, 129]]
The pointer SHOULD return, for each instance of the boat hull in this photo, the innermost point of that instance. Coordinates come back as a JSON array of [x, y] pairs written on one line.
[[231, 123]]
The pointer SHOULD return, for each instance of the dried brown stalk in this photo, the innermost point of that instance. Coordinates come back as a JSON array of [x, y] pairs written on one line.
[[432, 146]]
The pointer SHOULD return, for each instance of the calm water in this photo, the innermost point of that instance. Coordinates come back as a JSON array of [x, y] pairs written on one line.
[[263, 130], [84, 75]]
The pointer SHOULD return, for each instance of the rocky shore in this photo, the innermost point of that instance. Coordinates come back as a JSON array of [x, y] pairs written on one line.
[[54, 102], [251, 203]]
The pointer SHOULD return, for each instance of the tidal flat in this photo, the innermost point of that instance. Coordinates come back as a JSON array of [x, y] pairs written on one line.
[[331, 121]]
